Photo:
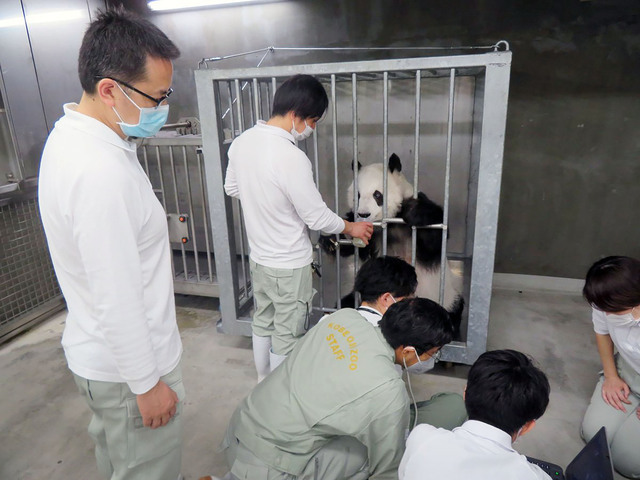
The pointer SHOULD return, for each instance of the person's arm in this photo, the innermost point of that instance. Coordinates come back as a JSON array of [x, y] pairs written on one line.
[[107, 217], [230, 180], [302, 193], [615, 391]]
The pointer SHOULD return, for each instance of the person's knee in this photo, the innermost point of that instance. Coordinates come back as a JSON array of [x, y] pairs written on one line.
[[624, 447], [443, 410], [591, 423]]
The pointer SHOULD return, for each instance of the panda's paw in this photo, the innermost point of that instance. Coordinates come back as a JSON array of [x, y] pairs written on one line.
[[328, 244], [420, 211]]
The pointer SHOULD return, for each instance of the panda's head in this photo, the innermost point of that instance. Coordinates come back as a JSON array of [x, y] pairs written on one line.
[[370, 190]]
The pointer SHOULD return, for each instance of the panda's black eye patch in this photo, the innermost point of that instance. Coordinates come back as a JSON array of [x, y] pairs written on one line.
[[377, 196]]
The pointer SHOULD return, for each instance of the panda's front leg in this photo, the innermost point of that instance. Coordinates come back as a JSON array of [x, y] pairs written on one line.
[[420, 211]]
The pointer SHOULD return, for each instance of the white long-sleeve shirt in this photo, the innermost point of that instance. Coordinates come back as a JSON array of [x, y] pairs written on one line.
[[274, 181], [473, 451], [108, 238]]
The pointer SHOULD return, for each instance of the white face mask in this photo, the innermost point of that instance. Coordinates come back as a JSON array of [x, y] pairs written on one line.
[[306, 133], [625, 319], [421, 366]]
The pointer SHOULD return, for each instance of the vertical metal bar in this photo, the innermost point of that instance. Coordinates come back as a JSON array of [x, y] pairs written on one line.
[[196, 253], [315, 161], [269, 101], [205, 217], [175, 191], [243, 255], [164, 196], [385, 154], [256, 98], [416, 164], [274, 87], [251, 107], [239, 105], [447, 178], [232, 117], [334, 110], [354, 121]]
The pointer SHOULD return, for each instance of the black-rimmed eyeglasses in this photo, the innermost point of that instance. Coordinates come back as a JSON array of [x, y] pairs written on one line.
[[157, 101]]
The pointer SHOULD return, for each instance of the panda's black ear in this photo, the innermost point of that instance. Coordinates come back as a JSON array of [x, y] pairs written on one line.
[[394, 163], [359, 166]]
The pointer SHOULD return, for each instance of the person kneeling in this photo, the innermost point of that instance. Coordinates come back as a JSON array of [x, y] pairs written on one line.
[[337, 408], [505, 394]]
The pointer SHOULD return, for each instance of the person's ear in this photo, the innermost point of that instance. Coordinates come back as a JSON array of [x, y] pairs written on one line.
[[409, 352], [464, 393], [105, 91], [527, 427]]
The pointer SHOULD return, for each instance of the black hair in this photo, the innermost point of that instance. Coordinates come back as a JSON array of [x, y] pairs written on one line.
[[417, 322], [117, 44], [505, 389], [613, 284], [302, 94], [385, 274]]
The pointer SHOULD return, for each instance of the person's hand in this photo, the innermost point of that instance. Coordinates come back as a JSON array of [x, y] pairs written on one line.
[[615, 392], [361, 230], [638, 412], [158, 405]]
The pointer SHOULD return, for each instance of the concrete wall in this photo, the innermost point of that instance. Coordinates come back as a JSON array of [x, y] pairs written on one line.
[[571, 164]]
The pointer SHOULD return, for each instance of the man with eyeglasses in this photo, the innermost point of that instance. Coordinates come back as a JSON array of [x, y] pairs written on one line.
[[337, 407], [108, 238]]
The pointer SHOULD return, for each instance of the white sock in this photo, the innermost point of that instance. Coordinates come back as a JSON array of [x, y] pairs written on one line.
[[275, 359], [261, 349]]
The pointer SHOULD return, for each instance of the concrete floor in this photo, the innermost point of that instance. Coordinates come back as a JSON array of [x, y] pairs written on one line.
[[43, 420]]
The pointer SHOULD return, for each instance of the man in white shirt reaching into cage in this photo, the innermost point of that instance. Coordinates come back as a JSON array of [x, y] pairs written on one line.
[[273, 179]]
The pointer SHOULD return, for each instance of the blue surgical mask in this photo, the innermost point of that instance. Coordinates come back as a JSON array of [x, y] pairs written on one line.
[[151, 120], [306, 133]]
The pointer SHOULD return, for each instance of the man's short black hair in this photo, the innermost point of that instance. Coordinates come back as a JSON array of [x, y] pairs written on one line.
[[505, 389], [613, 284], [302, 94], [385, 274], [116, 45], [417, 322]]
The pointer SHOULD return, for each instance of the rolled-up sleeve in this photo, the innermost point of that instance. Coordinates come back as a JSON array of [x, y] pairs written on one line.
[[599, 320]]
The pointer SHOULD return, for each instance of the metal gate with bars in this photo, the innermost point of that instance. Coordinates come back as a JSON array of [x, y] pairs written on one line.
[[175, 169], [446, 114]]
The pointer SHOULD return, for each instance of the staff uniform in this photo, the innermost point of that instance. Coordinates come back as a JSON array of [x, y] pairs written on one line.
[[443, 409], [108, 239], [339, 381], [623, 428], [273, 179], [474, 451]]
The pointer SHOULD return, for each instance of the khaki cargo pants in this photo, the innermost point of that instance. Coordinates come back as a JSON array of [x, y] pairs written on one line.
[[283, 300]]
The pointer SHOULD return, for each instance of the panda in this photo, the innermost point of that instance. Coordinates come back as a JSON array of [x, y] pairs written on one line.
[[414, 211]]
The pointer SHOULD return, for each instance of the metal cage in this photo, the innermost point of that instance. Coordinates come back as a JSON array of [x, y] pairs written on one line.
[[376, 107]]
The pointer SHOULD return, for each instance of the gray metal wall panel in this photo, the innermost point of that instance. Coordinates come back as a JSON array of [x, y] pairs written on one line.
[[21, 86], [50, 60]]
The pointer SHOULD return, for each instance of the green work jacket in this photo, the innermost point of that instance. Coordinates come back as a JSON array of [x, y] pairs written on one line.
[[340, 379]]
